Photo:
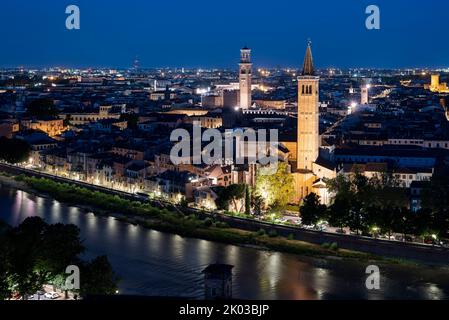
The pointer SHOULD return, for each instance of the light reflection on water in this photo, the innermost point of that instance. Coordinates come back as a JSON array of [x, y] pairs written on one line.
[[155, 263]]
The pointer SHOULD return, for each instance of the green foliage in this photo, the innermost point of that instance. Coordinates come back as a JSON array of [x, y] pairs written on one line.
[[361, 203], [276, 189], [230, 195], [73, 194], [261, 232], [5, 267], [312, 210], [14, 150], [222, 225], [36, 253], [291, 237], [333, 246], [257, 205], [98, 278], [208, 222], [435, 202], [247, 201], [326, 245], [272, 234]]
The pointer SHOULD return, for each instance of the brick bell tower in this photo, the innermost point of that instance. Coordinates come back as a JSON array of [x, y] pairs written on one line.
[[308, 140], [245, 73]]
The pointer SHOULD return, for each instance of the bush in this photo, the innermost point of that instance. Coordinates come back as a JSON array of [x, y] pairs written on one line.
[[222, 225], [208, 222], [326, 245], [261, 232], [334, 246], [291, 237], [272, 234]]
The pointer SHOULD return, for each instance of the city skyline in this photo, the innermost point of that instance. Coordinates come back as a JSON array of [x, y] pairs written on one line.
[[196, 37]]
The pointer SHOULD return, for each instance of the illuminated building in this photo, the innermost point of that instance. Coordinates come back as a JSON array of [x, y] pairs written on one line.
[[245, 78], [310, 170], [364, 95], [51, 126], [105, 112], [308, 114], [436, 86]]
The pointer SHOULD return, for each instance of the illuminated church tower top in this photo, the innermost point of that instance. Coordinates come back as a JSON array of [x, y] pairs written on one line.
[[245, 78]]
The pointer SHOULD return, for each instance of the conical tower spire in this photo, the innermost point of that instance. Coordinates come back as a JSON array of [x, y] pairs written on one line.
[[308, 69]]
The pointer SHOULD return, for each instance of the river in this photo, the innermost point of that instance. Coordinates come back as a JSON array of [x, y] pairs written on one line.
[[160, 264]]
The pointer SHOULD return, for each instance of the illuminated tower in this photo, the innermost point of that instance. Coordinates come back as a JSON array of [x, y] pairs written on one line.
[[308, 114], [245, 78], [364, 94], [435, 83]]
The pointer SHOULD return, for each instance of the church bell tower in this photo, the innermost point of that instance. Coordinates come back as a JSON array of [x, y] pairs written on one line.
[[308, 114], [245, 73]]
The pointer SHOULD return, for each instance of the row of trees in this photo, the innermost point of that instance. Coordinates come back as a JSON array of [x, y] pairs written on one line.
[[380, 205], [36, 253]]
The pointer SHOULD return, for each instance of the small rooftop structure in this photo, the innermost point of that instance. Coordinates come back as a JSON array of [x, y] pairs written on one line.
[[218, 281]]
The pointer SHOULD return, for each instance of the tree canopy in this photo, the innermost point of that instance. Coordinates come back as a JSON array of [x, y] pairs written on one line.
[[276, 189], [230, 195], [42, 108], [311, 210], [36, 253], [14, 150]]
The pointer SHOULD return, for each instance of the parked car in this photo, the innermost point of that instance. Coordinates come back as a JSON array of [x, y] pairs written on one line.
[[51, 295]]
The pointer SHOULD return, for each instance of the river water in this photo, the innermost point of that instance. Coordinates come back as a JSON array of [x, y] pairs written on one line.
[[160, 264]]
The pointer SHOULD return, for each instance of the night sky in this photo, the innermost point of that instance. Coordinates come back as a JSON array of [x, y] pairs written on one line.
[[200, 33]]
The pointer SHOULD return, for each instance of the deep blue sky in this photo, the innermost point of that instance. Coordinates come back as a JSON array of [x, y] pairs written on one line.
[[205, 33]]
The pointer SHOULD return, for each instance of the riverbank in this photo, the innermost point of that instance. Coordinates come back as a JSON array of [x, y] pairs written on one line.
[[174, 222]]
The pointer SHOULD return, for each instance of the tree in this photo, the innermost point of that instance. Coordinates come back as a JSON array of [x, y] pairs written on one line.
[[277, 189], [23, 243], [60, 247], [435, 198], [98, 278], [14, 150], [35, 253], [373, 202], [311, 210], [230, 194], [258, 205], [338, 212], [5, 291], [247, 201], [42, 108]]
